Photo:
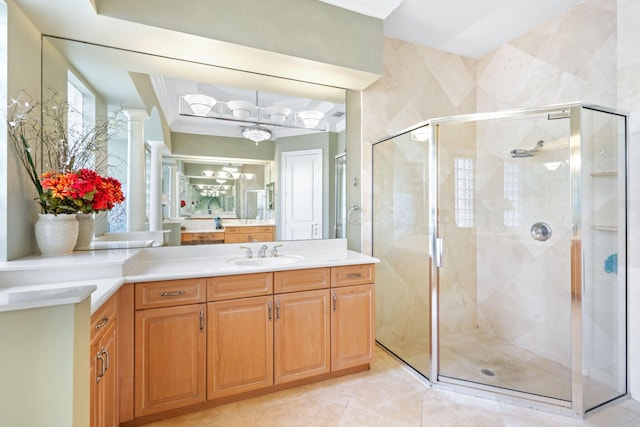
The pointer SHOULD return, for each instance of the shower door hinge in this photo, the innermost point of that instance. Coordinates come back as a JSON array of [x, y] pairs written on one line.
[[438, 252]]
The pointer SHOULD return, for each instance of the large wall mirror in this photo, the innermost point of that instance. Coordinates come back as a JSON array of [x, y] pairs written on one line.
[[236, 145]]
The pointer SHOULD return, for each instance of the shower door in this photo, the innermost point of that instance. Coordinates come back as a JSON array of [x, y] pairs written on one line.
[[504, 282], [401, 242]]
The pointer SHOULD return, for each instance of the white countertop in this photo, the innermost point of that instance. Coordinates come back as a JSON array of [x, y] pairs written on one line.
[[58, 293], [69, 279]]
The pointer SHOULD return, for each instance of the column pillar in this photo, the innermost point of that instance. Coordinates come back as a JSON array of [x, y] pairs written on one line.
[[174, 204], [178, 200], [155, 186], [136, 192]]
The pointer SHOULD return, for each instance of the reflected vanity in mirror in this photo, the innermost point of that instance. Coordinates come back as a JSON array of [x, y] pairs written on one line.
[[223, 136]]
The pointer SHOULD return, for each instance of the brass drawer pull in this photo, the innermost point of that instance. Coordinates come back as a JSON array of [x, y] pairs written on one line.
[[107, 359], [100, 358], [171, 294], [103, 323], [354, 275]]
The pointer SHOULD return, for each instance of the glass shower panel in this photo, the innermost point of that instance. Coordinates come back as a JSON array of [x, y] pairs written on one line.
[[401, 242], [604, 252], [505, 284]]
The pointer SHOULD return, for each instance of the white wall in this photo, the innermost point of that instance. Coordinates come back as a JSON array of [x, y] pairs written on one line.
[[44, 366], [17, 209]]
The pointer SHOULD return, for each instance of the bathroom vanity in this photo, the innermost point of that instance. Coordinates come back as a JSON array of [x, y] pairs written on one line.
[[185, 328], [233, 231]]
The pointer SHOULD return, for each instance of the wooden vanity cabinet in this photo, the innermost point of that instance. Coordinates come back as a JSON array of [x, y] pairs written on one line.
[[170, 345], [219, 337], [240, 334], [302, 324], [352, 316], [201, 238], [247, 234], [103, 390]]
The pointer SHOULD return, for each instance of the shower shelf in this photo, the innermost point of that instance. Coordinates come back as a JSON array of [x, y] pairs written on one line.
[[604, 227], [604, 173]]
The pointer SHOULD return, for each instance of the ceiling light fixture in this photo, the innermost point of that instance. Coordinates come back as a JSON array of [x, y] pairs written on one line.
[[241, 110], [310, 119], [208, 173], [200, 104], [229, 168], [256, 133], [277, 113]]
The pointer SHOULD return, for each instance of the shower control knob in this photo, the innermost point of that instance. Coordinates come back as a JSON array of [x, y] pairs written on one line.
[[541, 231]]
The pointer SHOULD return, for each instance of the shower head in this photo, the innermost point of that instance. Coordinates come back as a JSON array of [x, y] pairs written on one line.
[[521, 152]]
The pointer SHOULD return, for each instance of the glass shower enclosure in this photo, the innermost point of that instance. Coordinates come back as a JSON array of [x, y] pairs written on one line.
[[502, 240]]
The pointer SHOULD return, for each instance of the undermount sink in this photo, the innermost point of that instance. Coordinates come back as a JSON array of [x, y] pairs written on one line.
[[266, 261]]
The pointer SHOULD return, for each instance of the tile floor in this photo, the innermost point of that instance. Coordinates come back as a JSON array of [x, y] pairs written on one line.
[[389, 395]]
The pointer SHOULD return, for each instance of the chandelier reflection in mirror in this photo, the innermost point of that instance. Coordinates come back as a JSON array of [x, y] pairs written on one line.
[[223, 174], [284, 116], [256, 133]]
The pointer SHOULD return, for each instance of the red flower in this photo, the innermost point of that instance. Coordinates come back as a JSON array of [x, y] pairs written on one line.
[[80, 191]]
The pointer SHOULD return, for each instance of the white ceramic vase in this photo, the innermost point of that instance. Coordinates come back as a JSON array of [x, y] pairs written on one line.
[[56, 234], [85, 230]]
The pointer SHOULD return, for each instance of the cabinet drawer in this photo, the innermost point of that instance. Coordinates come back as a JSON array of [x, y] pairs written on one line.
[[349, 275], [103, 317], [169, 292], [241, 229], [240, 286], [266, 229], [301, 280]]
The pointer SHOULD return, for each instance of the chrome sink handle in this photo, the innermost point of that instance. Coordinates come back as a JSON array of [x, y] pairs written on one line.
[[249, 253], [274, 250], [262, 251]]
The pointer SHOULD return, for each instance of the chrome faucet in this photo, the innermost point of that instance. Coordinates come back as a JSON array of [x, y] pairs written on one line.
[[249, 253], [274, 250], [262, 251]]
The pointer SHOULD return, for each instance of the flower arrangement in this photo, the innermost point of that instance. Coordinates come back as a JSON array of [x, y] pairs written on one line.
[[82, 191], [43, 142]]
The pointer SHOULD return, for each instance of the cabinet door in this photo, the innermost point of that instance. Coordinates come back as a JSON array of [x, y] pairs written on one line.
[[170, 345], [236, 238], [352, 326], [301, 335], [239, 346], [104, 377], [103, 370], [94, 385]]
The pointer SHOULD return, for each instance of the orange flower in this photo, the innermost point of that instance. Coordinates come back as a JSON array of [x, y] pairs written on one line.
[[79, 191]]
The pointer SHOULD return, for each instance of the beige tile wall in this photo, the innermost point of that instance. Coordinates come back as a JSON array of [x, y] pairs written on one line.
[[591, 54]]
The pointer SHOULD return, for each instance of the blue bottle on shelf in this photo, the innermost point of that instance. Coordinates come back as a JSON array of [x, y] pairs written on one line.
[[218, 223]]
